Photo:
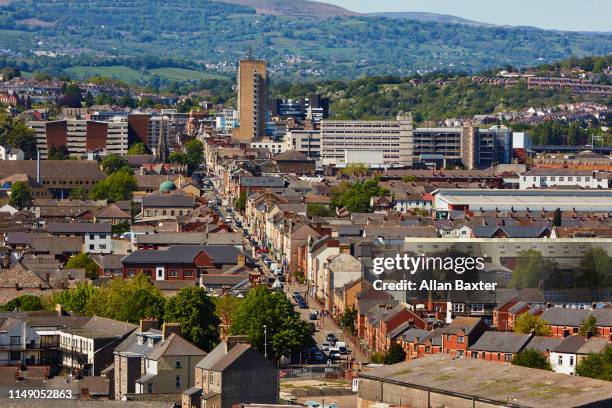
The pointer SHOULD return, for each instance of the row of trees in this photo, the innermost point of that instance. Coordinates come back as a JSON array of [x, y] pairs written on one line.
[[262, 315]]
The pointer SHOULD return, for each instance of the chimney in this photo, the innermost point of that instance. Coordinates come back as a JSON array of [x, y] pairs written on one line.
[[234, 340], [169, 328], [148, 324], [58, 309]]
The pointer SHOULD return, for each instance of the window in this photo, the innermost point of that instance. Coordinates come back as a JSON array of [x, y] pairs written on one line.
[[459, 307], [508, 357], [102, 246], [102, 236], [570, 179], [131, 272], [92, 236], [210, 378], [578, 178], [477, 308], [571, 360], [553, 178], [427, 349], [188, 272], [150, 388], [91, 247], [587, 179], [449, 337], [460, 339], [174, 273], [474, 354], [560, 360], [178, 364], [561, 178]]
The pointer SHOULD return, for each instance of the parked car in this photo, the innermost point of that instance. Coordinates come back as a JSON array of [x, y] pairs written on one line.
[[313, 315], [331, 338]]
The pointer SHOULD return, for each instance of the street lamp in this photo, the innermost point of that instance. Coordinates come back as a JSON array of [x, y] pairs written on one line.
[[265, 341]]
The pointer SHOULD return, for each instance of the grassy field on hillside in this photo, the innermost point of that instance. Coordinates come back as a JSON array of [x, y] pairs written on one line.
[[129, 75]]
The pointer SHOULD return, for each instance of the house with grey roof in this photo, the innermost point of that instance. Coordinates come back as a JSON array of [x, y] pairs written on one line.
[[182, 262], [96, 237], [169, 366], [233, 373], [565, 357], [499, 346]]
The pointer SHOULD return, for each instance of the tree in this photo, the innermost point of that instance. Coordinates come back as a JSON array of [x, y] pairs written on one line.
[[241, 201], [355, 170], [531, 358], [595, 269], [83, 261], [286, 332], [395, 354], [557, 219], [128, 300], [137, 148], [409, 179], [195, 311], [58, 153], [78, 193], [194, 152], [75, 300], [588, 327], [225, 307], [116, 187], [15, 133], [527, 323], [21, 195], [377, 358], [319, 210], [356, 196], [88, 99], [112, 163], [24, 303], [531, 269], [177, 157], [120, 228], [347, 320], [597, 366]]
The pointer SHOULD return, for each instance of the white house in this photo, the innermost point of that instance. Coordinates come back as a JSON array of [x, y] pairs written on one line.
[[542, 178], [97, 237], [18, 342], [11, 153], [573, 349]]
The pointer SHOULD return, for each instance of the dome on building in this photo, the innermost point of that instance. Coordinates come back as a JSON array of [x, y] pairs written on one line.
[[167, 186]]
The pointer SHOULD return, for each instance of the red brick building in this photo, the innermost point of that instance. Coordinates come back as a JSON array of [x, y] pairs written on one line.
[[461, 334]]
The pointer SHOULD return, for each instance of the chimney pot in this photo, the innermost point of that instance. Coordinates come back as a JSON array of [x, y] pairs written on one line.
[[169, 328]]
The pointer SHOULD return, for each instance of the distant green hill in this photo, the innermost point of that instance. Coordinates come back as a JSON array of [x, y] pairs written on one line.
[[305, 39]]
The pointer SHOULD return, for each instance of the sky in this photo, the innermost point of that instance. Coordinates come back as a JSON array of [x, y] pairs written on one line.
[[573, 15]]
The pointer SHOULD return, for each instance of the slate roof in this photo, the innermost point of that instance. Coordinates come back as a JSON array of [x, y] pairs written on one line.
[[543, 344], [501, 342], [218, 360], [261, 181], [58, 169], [174, 345], [19, 276], [112, 211], [79, 228], [412, 334], [557, 316], [570, 344], [184, 254], [168, 201], [194, 238], [467, 324]]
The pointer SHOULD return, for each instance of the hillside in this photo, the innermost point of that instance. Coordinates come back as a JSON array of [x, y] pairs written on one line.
[[300, 9], [192, 33], [430, 17]]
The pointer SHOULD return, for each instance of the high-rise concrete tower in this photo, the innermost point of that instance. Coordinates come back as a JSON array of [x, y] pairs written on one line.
[[252, 99]]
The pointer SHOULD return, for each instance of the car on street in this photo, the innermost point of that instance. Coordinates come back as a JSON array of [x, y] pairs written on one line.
[[331, 338]]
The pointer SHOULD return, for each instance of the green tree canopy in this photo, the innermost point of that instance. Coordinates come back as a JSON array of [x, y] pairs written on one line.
[[21, 195], [319, 210], [286, 332], [137, 148], [112, 163], [128, 300], [597, 366], [347, 320], [356, 196], [241, 202], [83, 261], [527, 323], [531, 358], [116, 187], [588, 327], [355, 170], [531, 269], [395, 354], [195, 311], [75, 300], [78, 193], [25, 303], [194, 152], [15, 133], [595, 269]]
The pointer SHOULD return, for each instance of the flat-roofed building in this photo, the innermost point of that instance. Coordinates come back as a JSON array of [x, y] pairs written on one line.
[[546, 177], [442, 381], [390, 140], [81, 136], [304, 141], [446, 200]]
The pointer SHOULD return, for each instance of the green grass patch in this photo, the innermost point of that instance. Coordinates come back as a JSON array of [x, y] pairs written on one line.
[[182, 74]]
